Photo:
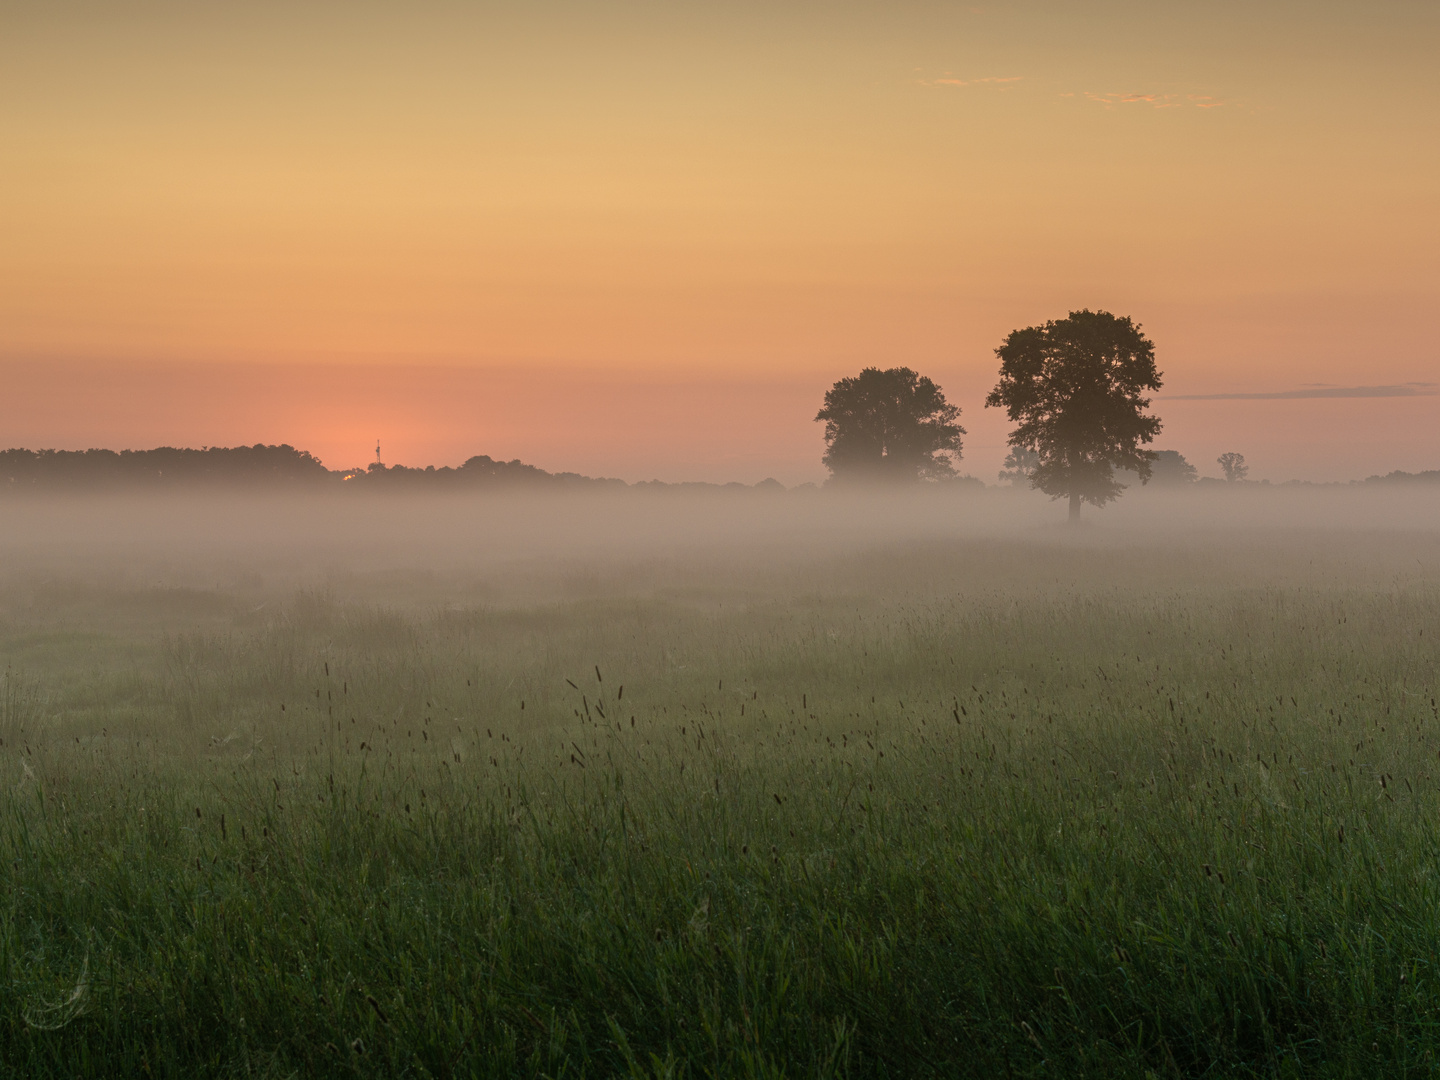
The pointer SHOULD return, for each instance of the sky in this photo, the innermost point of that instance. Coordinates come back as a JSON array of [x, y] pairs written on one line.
[[641, 239]]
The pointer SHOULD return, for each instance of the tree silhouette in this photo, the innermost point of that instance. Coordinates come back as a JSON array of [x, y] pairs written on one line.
[[164, 465], [1073, 387], [1233, 465], [1020, 462], [891, 425], [1169, 468]]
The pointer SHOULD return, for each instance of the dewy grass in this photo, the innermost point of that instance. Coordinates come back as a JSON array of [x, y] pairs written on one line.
[[1167, 826]]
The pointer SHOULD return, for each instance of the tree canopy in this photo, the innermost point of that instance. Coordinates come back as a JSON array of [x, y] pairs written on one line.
[[1171, 468], [889, 426], [165, 465], [1020, 462], [1074, 387], [1233, 465], [258, 465]]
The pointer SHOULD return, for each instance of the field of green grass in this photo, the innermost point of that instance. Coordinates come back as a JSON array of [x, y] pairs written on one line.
[[1039, 806]]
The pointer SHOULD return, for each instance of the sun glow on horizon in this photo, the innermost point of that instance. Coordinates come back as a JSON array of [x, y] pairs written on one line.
[[644, 196]]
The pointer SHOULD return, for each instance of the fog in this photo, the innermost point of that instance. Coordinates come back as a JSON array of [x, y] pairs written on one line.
[[536, 749], [468, 548]]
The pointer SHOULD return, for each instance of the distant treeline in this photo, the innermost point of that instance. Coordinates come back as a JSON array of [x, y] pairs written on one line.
[[272, 466], [285, 466], [1429, 476], [165, 465], [250, 465], [479, 471]]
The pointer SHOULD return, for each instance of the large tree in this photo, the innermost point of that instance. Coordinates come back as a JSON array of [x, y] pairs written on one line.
[[1074, 387], [891, 425]]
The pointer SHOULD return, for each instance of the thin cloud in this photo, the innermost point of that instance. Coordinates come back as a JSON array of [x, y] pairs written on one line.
[[1156, 100], [1404, 390]]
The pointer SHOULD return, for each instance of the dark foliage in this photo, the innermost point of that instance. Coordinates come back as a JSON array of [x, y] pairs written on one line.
[[1074, 388], [1168, 469], [479, 471], [1020, 462], [890, 426], [166, 465], [269, 466], [1233, 465]]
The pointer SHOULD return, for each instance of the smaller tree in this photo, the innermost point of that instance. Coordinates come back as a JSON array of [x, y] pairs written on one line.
[[1170, 469], [1234, 466], [893, 425], [1020, 463]]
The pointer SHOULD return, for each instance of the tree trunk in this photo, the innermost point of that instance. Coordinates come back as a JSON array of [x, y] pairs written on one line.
[[1074, 509]]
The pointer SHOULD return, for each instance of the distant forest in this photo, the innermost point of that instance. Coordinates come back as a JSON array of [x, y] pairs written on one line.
[[285, 466], [253, 465], [271, 466]]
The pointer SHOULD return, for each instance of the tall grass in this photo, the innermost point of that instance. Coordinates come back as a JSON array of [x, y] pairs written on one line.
[[1179, 825]]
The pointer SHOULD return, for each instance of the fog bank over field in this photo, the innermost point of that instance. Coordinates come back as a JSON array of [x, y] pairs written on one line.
[[507, 779], [408, 548]]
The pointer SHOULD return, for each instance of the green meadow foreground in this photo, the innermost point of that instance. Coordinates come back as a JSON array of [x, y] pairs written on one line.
[[1047, 805]]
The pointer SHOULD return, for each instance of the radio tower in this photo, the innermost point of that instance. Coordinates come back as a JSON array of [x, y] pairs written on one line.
[[377, 454]]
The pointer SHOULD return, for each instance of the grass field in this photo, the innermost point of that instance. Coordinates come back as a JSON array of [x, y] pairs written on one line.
[[1030, 806]]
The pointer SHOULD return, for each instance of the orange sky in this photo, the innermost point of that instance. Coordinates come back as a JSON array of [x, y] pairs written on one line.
[[642, 238]]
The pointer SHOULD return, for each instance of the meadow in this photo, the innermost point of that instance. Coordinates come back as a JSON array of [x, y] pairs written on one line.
[[896, 802]]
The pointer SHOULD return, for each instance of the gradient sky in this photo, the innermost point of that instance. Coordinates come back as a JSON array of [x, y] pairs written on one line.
[[641, 239]]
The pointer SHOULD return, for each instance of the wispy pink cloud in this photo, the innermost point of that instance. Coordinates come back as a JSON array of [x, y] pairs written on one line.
[[1155, 100]]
